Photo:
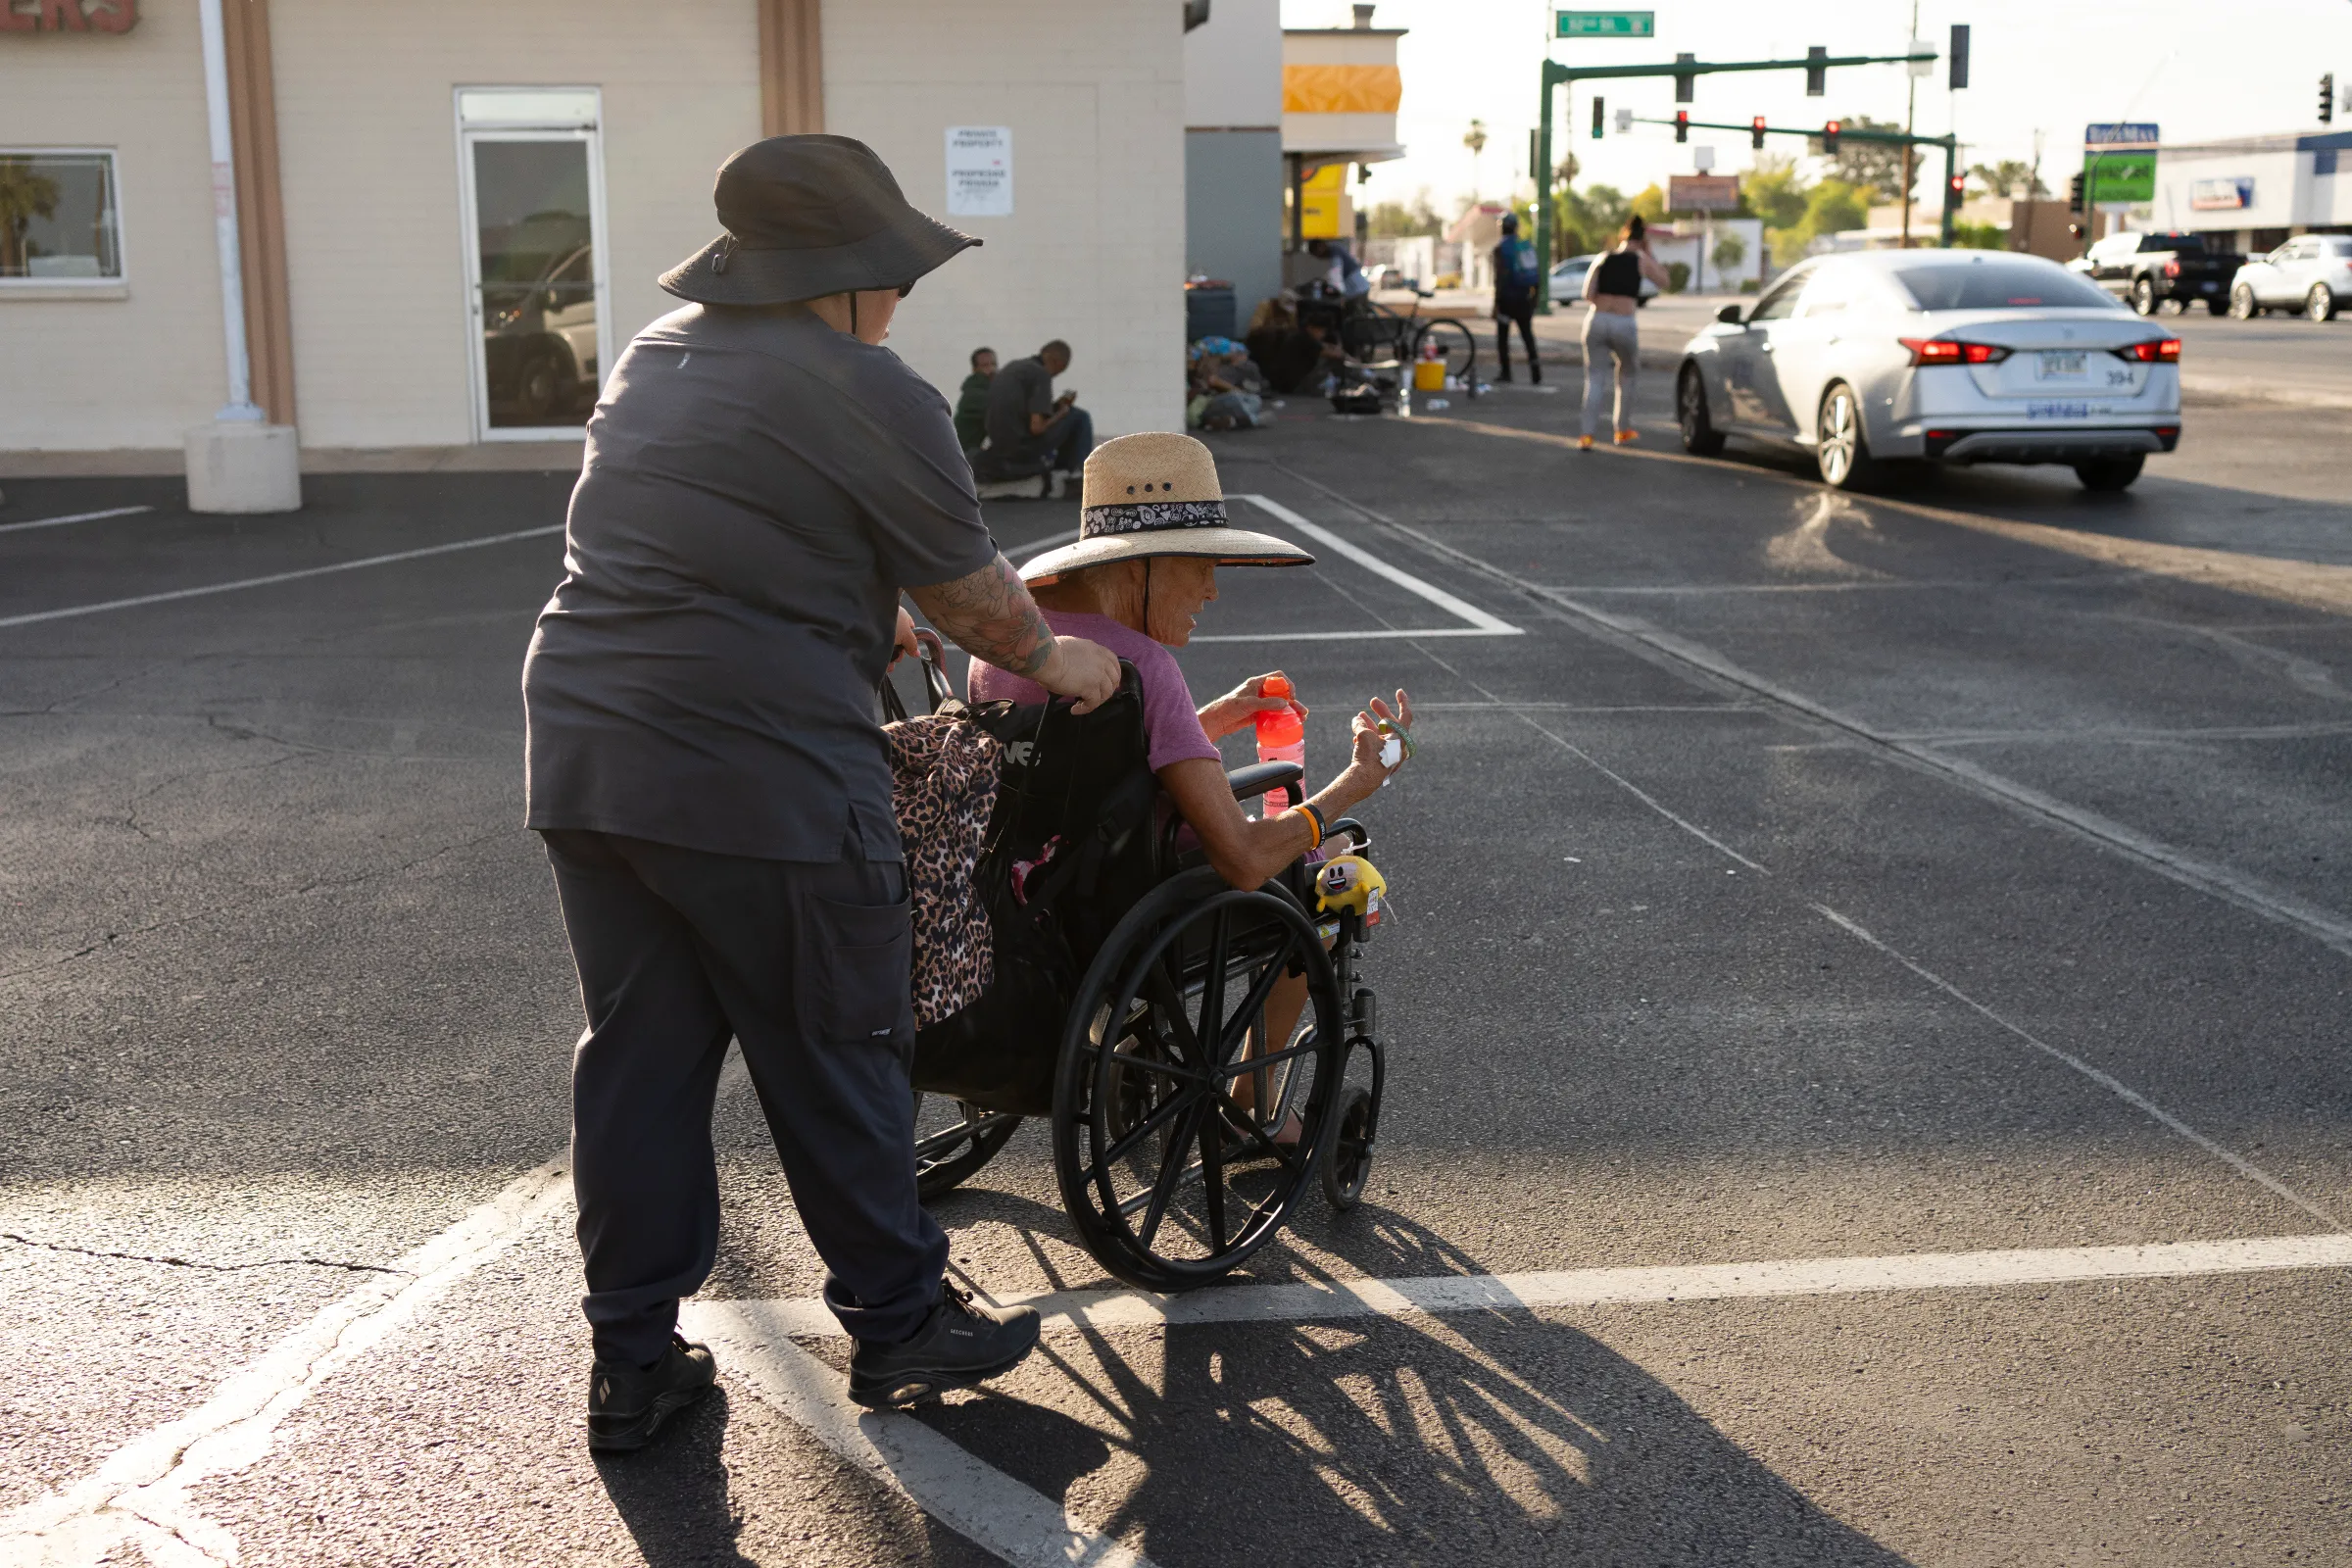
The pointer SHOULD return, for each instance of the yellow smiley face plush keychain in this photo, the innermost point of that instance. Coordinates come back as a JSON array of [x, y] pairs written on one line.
[[1350, 882]]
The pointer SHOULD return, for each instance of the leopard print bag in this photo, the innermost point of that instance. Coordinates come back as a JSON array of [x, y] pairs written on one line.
[[944, 771]]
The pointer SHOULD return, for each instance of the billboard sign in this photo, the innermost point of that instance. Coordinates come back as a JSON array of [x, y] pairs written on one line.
[[2232, 194], [2120, 179], [1702, 193], [2119, 133]]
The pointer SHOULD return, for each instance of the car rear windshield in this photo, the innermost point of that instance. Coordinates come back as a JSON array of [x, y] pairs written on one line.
[[1998, 286], [2173, 243]]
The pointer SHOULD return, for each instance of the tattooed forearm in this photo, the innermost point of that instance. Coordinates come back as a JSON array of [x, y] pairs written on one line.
[[990, 615]]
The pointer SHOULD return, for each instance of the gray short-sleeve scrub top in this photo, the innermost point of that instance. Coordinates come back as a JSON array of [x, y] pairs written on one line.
[[757, 489]]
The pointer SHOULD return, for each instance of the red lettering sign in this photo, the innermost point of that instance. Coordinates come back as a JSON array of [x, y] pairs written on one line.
[[69, 16]]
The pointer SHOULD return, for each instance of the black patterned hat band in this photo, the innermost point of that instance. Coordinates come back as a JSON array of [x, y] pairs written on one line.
[[1149, 516]]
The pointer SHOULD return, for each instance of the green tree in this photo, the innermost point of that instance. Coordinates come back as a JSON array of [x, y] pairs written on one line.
[[1871, 165], [1830, 207], [1979, 237], [23, 197], [1775, 191], [1649, 205], [1730, 252], [1417, 217], [2010, 177], [1588, 221]]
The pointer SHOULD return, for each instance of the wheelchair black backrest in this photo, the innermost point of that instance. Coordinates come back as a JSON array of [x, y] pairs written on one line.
[[1085, 781]]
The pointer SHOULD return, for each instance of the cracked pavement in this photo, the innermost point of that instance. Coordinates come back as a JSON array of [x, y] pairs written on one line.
[[283, 999]]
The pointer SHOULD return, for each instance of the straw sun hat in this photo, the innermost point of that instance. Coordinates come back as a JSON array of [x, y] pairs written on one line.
[[1157, 494]]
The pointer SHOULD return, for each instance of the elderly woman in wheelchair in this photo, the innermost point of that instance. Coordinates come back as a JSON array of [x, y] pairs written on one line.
[[1202, 1078]]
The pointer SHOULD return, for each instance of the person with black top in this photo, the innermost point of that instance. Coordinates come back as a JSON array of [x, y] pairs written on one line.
[[1030, 431], [1515, 278], [763, 479], [1613, 290]]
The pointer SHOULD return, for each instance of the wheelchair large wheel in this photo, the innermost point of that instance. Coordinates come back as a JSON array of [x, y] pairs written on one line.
[[953, 1139], [1171, 1181]]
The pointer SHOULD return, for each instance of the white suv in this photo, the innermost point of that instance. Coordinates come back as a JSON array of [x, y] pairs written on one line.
[[2311, 274]]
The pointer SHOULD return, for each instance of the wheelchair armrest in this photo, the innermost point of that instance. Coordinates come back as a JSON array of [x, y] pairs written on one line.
[[1259, 777]]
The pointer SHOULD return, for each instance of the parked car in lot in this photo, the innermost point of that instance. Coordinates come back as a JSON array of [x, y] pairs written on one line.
[[1956, 357], [1568, 280], [2311, 274], [2146, 270]]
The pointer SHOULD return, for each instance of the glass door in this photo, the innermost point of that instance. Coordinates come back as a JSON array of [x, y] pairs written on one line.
[[535, 257]]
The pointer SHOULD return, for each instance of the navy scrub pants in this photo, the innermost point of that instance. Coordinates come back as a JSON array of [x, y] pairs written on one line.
[[805, 964]]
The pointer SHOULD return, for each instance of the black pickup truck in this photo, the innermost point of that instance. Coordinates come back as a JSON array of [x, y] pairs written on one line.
[[2146, 270]]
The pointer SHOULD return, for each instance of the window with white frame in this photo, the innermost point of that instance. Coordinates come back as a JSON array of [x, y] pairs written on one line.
[[60, 217]]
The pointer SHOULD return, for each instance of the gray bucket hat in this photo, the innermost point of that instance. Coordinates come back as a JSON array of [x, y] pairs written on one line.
[[805, 217]]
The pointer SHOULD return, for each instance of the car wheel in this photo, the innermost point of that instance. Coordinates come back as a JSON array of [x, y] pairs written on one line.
[[2110, 473], [2243, 307], [535, 389], [2143, 298], [1839, 446], [2320, 304], [1700, 438]]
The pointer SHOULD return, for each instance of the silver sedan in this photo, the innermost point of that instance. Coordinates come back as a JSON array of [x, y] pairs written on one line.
[[1944, 356]]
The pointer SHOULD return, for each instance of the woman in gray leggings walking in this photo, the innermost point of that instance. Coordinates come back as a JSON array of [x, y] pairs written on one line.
[[1613, 290]]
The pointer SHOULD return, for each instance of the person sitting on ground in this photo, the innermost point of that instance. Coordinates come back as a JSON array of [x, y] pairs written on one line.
[[971, 401], [1291, 357], [1222, 391], [1029, 430], [1152, 532]]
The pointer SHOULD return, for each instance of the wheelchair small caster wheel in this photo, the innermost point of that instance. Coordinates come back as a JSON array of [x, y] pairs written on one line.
[[1347, 1162]]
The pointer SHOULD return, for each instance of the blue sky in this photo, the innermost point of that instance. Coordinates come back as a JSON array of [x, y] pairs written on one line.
[[2196, 68]]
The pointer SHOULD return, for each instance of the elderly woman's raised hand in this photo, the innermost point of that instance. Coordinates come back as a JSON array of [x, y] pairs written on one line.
[[1239, 707], [1370, 769]]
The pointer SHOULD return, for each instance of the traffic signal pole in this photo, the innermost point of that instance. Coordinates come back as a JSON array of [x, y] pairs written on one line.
[[1891, 139], [1557, 76]]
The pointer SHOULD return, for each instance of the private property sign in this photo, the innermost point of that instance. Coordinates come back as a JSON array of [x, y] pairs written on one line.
[[979, 171], [69, 16], [1702, 193], [1604, 24]]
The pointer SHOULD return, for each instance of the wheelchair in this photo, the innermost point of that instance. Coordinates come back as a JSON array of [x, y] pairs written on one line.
[[1130, 1006]]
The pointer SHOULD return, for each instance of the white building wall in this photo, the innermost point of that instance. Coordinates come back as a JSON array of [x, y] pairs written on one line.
[[368, 147], [138, 369], [2278, 178], [1233, 66], [1093, 252]]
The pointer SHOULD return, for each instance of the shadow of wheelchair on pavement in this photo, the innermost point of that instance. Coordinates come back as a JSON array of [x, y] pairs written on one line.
[[1488, 1436]]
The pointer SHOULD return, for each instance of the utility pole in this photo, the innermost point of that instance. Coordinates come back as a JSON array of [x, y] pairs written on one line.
[[1910, 109]]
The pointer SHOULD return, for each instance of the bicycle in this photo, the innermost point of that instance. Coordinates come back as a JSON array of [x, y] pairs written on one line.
[[1373, 334]]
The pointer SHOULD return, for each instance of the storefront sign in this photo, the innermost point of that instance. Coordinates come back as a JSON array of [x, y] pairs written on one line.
[[1322, 195], [979, 171], [1702, 193], [2122, 133], [2229, 195], [69, 16]]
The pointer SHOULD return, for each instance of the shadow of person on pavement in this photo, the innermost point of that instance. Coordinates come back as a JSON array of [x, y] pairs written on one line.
[[673, 1494], [1492, 1438]]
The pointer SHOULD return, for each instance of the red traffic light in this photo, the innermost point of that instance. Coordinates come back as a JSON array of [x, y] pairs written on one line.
[[1755, 132], [1829, 136], [1682, 124]]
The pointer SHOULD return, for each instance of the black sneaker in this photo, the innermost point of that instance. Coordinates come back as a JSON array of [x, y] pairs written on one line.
[[626, 1406], [958, 1345]]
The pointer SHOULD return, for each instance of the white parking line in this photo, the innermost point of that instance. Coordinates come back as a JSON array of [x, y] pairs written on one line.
[[1482, 623], [72, 610], [1004, 1516], [78, 516], [1435, 1293]]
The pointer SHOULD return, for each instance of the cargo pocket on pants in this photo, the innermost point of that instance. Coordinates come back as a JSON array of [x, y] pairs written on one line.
[[864, 954]]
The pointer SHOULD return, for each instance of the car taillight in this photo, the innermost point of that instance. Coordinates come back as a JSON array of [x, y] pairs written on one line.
[[2171, 268], [1950, 351], [2155, 351]]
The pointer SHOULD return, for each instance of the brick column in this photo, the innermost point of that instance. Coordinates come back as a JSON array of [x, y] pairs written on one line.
[[260, 211]]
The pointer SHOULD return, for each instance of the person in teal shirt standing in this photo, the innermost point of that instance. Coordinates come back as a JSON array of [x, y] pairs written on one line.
[[971, 401], [1515, 278]]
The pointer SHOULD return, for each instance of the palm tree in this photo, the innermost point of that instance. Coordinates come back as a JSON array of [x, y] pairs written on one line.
[[1476, 140], [23, 197]]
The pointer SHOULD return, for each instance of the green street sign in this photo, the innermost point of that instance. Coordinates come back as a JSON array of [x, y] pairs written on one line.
[[1605, 23], [2120, 176]]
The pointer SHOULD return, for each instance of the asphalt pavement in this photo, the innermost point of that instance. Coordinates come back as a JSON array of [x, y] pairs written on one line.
[[1866, 1004]]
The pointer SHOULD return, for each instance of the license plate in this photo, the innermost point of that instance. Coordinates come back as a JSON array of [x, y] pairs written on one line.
[[2057, 411], [2060, 368]]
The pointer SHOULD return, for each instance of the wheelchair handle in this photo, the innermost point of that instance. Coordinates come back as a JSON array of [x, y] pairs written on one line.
[[1349, 824]]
